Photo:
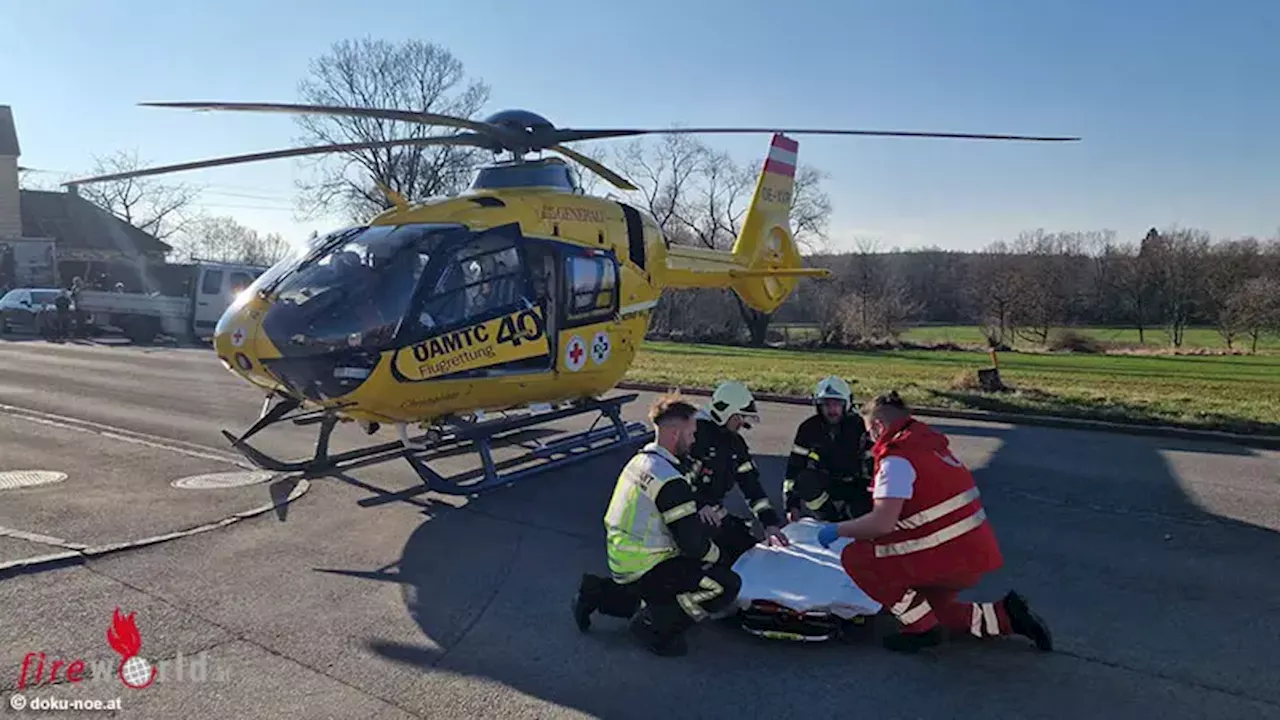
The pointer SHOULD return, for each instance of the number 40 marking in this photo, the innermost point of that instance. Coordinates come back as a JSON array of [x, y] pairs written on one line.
[[514, 330]]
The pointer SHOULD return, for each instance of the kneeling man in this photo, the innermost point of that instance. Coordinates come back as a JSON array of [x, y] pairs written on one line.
[[660, 551], [926, 539]]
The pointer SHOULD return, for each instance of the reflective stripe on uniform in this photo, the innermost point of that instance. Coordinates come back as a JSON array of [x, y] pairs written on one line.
[[817, 502], [912, 608], [984, 613], [803, 451], [712, 555], [745, 467], [760, 505], [945, 507], [691, 602], [916, 614], [788, 485], [682, 510], [934, 539]]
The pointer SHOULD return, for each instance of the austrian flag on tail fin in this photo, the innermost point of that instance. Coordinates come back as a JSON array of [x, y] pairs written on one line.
[[782, 156]]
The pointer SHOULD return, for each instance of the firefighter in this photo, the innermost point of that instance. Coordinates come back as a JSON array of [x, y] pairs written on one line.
[[661, 555], [721, 459], [926, 539], [827, 474]]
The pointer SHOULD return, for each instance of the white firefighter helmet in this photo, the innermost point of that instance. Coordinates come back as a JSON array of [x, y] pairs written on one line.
[[732, 397], [833, 388]]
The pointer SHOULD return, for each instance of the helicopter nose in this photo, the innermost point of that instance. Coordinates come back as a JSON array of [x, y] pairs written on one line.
[[236, 339]]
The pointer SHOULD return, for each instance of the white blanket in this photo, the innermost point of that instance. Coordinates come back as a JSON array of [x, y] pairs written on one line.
[[804, 577]]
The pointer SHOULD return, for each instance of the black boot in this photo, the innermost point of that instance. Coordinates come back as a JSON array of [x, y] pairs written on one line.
[[586, 601], [663, 642], [1026, 623], [913, 642]]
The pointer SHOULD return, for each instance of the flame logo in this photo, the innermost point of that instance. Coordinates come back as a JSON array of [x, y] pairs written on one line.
[[123, 637]]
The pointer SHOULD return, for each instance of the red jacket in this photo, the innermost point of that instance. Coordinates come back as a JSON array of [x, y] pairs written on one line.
[[943, 527]]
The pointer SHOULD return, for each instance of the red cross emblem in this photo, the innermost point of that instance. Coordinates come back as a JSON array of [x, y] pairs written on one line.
[[237, 338], [575, 353]]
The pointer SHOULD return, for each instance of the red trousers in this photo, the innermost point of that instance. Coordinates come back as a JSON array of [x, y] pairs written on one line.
[[920, 596]]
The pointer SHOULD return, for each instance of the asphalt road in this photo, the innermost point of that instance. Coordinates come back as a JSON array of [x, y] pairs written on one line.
[[1154, 561]]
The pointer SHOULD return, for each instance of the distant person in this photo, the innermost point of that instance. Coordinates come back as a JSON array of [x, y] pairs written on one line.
[[77, 312], [662, 559], [926, 539], [827, 475], [62, 321]]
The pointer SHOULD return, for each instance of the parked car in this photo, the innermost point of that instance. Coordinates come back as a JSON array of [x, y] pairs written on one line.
[[20, 306]]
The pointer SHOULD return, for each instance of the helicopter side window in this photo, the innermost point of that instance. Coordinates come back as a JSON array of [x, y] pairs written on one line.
[[482, 279], [592, 289]]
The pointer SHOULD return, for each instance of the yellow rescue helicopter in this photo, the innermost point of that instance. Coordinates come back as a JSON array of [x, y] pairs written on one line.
[[522, 296]]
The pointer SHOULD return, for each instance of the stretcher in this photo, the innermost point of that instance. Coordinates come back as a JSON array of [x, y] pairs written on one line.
[[800, 592]]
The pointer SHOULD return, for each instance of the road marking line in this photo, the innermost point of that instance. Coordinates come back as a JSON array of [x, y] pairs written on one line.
[[129, 436], [83, 552], [40, 539]]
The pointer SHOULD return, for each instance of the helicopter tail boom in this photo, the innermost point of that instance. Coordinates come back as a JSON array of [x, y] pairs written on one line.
[[764, 264]]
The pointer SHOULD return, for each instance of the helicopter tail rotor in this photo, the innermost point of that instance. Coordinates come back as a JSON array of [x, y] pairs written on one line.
[[764, 264]]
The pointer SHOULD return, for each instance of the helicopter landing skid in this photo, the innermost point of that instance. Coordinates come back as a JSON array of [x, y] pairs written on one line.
[[457, 437]]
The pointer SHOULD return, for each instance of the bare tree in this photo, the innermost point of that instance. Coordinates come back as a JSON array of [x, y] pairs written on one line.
[[699, 197], [810, 210], [1177, 279], [412, 75], [666, 173], [588, 182], [997, 291], [865, 283], [1139, 281], [222, 239], [1227, 267], [161, 209], [1048, 288], [1254, 309], [1179, 257], [861, 317], [712, 214], [1107, 257]]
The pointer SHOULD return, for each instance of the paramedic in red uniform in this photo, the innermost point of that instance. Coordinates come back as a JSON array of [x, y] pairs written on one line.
[[926, 539]]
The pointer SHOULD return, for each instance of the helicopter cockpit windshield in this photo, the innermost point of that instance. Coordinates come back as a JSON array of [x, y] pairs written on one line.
[[354, 293]]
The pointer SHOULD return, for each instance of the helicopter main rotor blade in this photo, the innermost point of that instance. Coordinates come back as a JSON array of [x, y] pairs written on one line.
[[464, 139], [412, 116], [570, 135], [618, 181]]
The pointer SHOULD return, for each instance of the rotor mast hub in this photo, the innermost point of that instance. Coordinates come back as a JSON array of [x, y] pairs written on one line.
[[523, 132]]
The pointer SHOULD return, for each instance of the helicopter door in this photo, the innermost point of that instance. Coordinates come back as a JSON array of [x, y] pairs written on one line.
[[543, 261], [587, 309], [476, 316]]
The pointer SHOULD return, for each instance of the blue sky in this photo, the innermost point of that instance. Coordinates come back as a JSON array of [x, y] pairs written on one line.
[[1177, 102]]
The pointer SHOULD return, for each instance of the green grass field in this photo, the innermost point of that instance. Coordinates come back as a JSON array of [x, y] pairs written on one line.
[[1225, 392], [1194, 339]]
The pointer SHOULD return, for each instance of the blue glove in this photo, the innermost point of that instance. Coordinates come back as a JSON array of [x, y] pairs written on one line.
[[828, 534]]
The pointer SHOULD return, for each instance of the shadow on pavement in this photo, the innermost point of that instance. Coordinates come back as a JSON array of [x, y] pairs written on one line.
[[1150, 594], [1135, 565]]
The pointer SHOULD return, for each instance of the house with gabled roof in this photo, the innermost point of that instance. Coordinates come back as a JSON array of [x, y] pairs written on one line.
[[87, 241]]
